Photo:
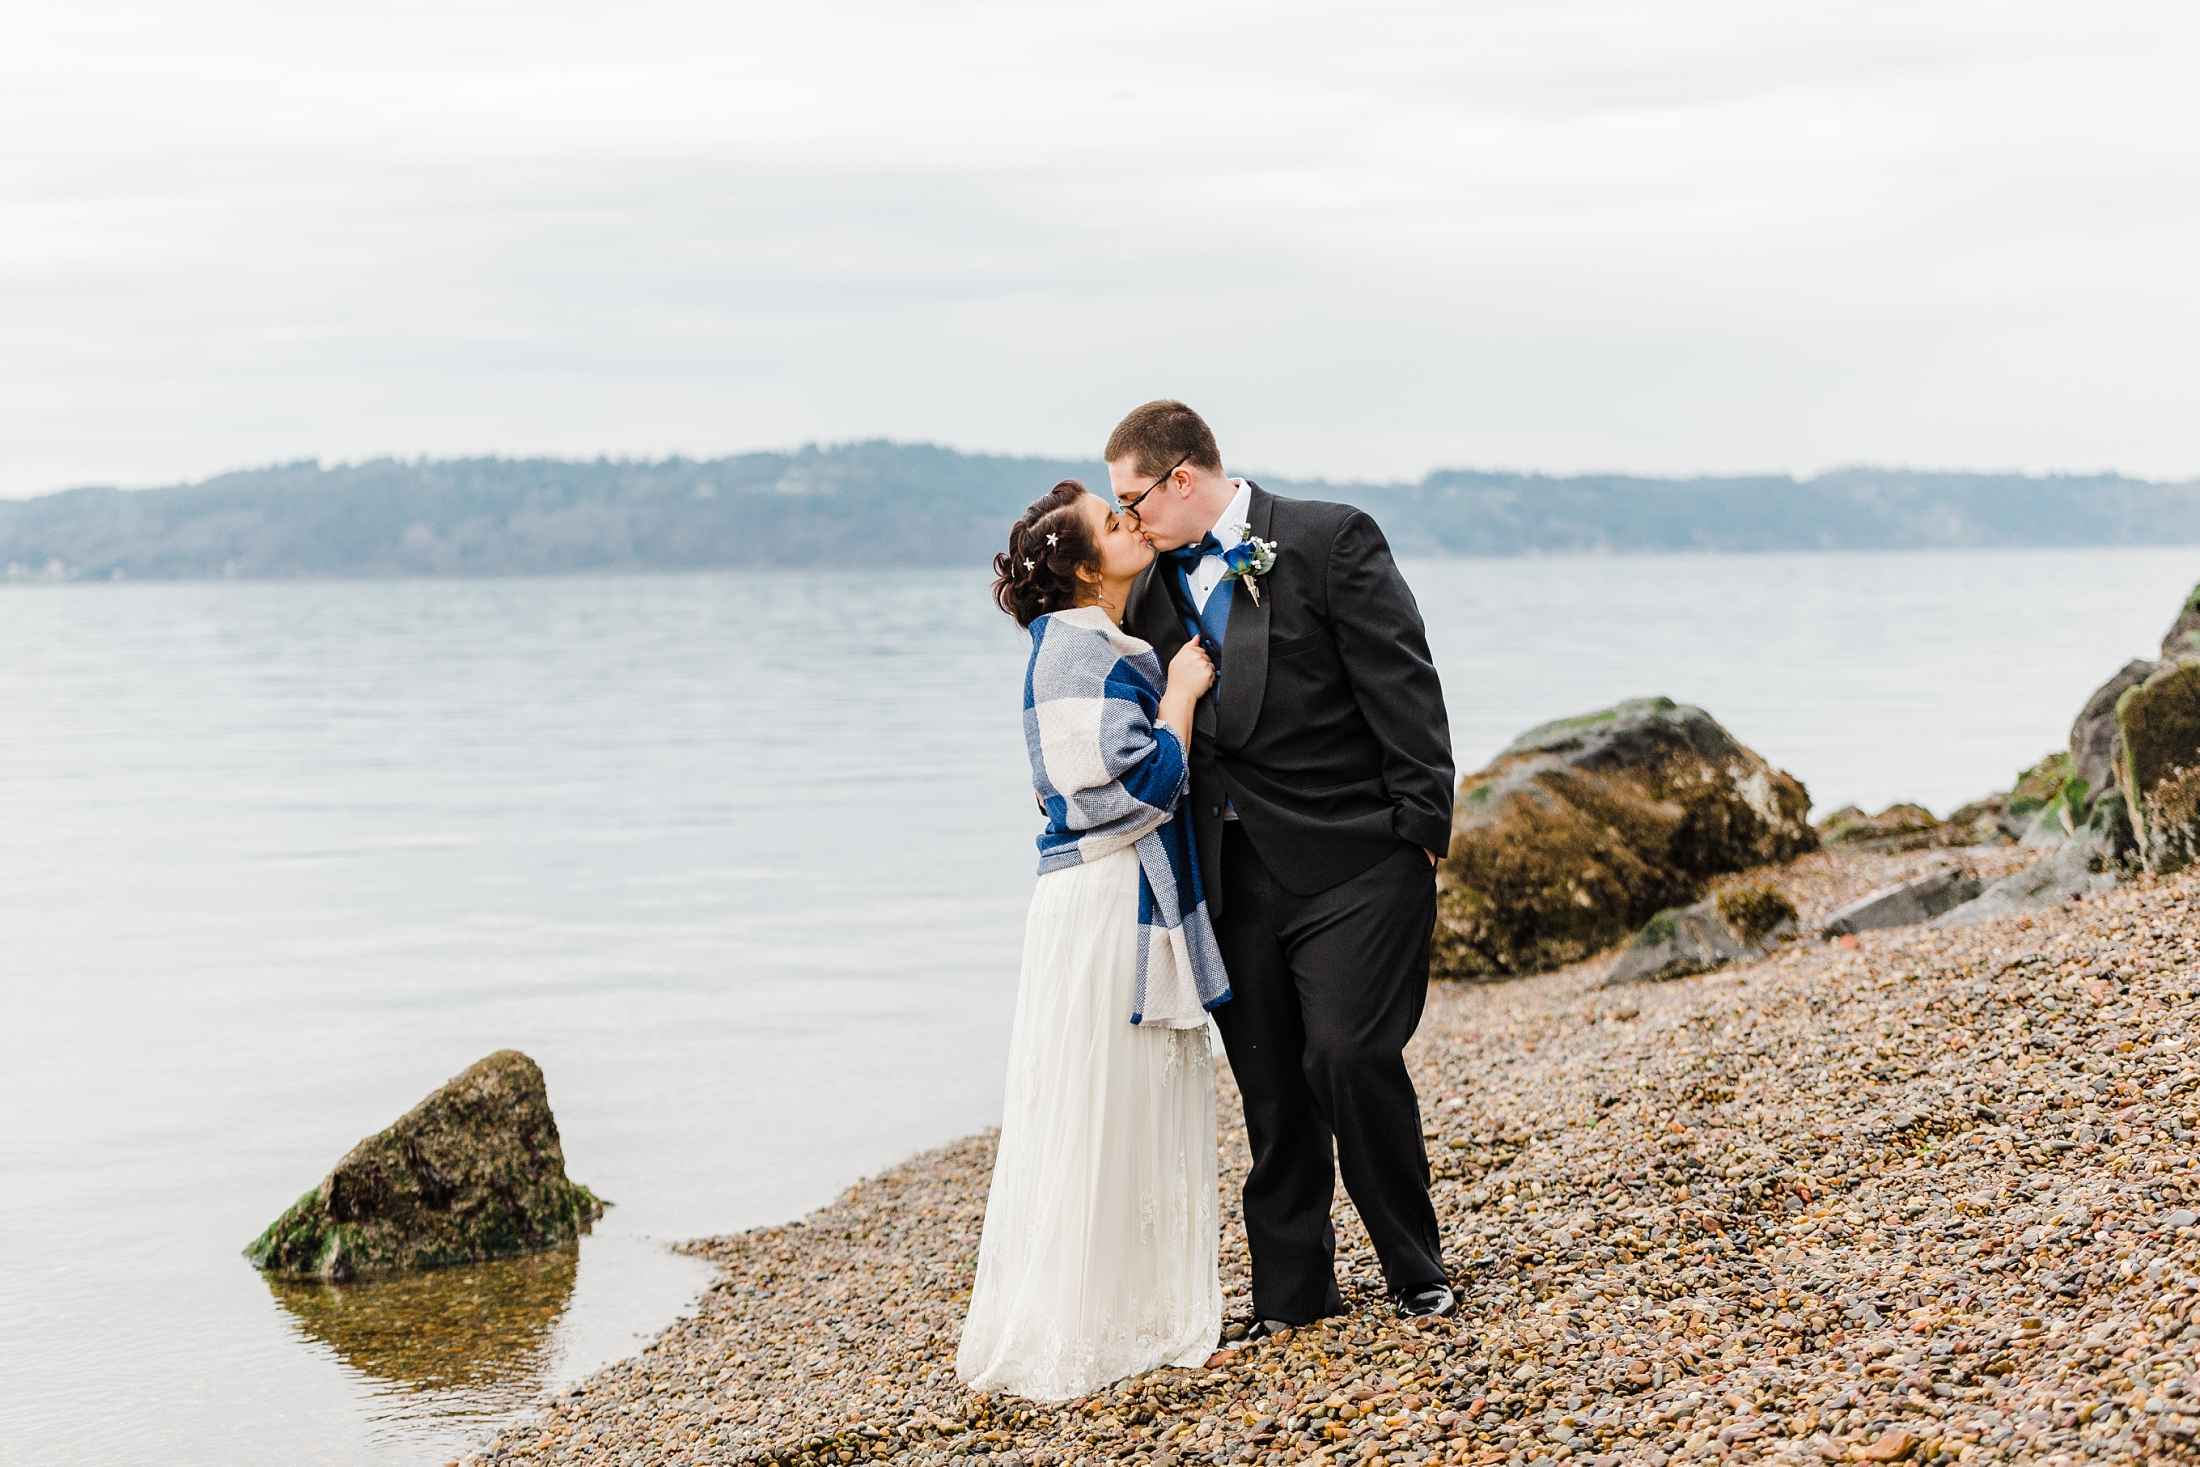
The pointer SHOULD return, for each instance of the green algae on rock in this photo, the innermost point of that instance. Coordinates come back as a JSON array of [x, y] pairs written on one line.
[[1743, 921], [1583, 828], [2096, 743], [2040, 786], [1903, 827], [1754, 911], [2160, 765], [2051, 799], [474, 1172], [2158, 790], [2181, 643]]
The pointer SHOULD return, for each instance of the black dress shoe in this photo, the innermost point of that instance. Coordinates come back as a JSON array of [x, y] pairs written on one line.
[[1236, 1335], [1427, 1301]]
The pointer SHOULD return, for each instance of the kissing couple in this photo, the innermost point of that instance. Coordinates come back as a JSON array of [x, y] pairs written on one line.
[[1250, 836]]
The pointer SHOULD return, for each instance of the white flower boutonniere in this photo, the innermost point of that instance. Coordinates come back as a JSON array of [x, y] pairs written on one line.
[[1248, 560]]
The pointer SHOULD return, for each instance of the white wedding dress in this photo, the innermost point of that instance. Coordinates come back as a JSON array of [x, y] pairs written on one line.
[[1098, 1259]]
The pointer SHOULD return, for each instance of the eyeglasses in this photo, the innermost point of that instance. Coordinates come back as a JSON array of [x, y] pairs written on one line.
[[1130, 506]]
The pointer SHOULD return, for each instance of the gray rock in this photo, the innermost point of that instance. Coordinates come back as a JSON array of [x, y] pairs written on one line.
[[1903, 827], [1984, 822], [2034, 811], [1675, 944], [2096, 743], [2101, 742], [2181, 643], [1740, 923], [1920, 899], [2083, 865], [2047, 830]]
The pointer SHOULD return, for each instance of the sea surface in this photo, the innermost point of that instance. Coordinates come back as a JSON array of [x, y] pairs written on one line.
[[739, 859]]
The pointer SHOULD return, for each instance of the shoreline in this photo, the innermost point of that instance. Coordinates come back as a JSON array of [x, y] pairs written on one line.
[[1916, 1198]]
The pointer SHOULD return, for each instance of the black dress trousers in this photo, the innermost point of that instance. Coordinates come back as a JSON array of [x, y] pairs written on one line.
[[1327, 989]]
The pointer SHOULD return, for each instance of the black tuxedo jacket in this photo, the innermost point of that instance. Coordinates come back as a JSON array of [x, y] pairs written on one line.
[[1326, 727]]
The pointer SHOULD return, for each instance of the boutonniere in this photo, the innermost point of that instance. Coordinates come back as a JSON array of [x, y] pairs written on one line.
[[1248, 560]]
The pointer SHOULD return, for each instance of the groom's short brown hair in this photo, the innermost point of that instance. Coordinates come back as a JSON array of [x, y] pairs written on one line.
[[1161, 435]]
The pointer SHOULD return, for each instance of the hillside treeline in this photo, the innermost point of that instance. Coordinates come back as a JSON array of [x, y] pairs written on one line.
[[889, 503]]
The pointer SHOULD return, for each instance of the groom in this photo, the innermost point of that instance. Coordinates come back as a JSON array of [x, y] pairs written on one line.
[[1321, 799]]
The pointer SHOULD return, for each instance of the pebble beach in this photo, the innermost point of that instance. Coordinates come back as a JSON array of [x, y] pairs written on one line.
[[1907, 1196]]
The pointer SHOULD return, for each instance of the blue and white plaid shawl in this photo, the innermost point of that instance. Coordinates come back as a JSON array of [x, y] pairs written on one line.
[[1111, 775]]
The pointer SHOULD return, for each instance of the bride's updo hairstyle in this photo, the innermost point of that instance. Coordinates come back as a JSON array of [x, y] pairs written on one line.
[[1046, 548]]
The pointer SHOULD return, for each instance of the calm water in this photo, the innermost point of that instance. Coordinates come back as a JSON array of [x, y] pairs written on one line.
[[740, 860]]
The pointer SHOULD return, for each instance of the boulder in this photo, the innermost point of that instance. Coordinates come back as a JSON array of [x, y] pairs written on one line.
[[1984, 822], [473, 1172], [2129, 784], [2159, 769], [2039, 803], [1897, 828], [1987, 821], [2096, 743], [2153, 701], [2046, 804], [1742, 922], [1582, 829], [2080, 867], [1920, 899], [2181, 643]]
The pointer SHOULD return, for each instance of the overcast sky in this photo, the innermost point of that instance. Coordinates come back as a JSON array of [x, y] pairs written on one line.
[[1366, 239]]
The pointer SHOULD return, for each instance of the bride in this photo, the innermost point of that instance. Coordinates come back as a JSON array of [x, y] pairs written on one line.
[[1098, 1256]]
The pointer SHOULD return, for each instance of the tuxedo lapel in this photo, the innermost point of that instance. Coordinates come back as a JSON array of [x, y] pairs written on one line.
[[1152, 615], [1243, 679]]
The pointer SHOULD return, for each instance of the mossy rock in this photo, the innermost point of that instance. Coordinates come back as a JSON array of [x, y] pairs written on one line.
[[1741, 921], [2181, 643], [2097, 760], [1983, 822], [1755, 911], [474, 1172], [2095, 742], [1901, 827], [1584, 828], [2041, 785], [2159, 772], [1662, 927]]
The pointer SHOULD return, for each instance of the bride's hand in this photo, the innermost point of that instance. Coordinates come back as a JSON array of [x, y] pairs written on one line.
[[1190, 671]]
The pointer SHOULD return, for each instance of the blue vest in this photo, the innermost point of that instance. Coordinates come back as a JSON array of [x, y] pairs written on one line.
[[1212, 620]]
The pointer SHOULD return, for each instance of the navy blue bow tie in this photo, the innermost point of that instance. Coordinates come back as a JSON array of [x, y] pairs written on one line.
[[1188, 556]]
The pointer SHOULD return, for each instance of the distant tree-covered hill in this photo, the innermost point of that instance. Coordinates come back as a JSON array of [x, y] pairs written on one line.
[[889, 503]]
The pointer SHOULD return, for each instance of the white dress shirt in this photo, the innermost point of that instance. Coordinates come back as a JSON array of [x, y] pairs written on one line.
[[1204, 577]]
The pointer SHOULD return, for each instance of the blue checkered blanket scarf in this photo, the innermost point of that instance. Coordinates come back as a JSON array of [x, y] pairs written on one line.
[[1111, 775]]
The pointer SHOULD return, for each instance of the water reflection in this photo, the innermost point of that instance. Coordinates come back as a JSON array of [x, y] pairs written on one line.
[[480, 1337]]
